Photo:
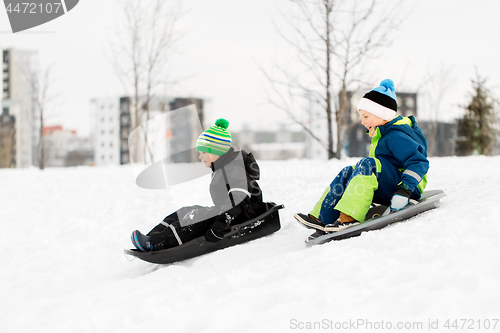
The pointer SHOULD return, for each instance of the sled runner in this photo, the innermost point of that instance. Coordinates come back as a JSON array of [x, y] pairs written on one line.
[[379, 217], [261, 226]]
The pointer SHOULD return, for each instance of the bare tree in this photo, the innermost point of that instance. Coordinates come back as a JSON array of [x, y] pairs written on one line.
[[142, 49], [42, 97], [333, 39], [437, 84]]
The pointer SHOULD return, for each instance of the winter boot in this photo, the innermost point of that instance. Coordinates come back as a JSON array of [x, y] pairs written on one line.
[[309, 221], [343, 222], [141, 242]]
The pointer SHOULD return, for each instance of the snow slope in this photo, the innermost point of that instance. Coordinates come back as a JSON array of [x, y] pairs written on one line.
[[63, 269]]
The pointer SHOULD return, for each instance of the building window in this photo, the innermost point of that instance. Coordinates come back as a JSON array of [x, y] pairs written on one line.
[[410, 102], [125, 120]]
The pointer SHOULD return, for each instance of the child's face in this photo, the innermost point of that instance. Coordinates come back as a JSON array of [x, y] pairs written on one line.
[[371, 121], [207, 158]]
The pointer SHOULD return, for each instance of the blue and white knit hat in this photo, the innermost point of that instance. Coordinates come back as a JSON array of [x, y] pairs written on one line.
[[380, 101], [215, 140]]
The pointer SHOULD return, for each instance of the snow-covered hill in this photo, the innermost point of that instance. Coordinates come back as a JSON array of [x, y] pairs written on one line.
[[63, 269]]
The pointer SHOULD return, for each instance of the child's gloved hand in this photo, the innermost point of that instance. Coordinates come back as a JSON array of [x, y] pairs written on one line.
[[216, 233], [400, 198]]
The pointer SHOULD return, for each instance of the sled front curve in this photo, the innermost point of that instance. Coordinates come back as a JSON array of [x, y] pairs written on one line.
[[263, 225]]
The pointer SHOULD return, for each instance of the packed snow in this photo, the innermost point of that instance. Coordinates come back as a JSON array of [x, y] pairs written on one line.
[[63, 268]]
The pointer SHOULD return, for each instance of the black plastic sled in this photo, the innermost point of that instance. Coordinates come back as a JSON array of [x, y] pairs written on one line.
[[263, 225], [376, 219]]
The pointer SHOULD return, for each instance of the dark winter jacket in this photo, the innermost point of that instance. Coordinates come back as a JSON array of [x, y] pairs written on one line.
[[233, 189], [401, 149]]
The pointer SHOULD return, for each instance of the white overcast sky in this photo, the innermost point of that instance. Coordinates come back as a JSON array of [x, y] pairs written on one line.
[[227, 38]]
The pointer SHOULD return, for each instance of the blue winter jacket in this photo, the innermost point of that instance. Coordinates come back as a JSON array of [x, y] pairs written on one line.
[[401, 149]]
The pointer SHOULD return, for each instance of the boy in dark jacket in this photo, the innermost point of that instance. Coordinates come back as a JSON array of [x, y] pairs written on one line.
[[234, 191], [394, 172]]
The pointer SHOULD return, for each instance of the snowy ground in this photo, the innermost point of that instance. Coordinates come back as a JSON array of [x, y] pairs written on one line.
[[63, 269]]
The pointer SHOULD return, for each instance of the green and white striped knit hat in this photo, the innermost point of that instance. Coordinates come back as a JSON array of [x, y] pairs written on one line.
[[215, 140]]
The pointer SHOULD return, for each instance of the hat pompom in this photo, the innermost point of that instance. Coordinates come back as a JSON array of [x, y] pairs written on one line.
[[221, 122], [387, 83]]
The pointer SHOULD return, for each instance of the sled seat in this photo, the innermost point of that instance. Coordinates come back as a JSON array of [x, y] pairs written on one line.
[[263, 225]]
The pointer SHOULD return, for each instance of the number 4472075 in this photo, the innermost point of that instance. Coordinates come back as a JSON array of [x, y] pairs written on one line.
[[33, 8]]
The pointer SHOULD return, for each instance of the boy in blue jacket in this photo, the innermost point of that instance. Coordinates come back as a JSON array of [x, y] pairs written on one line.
[[394, 172]]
